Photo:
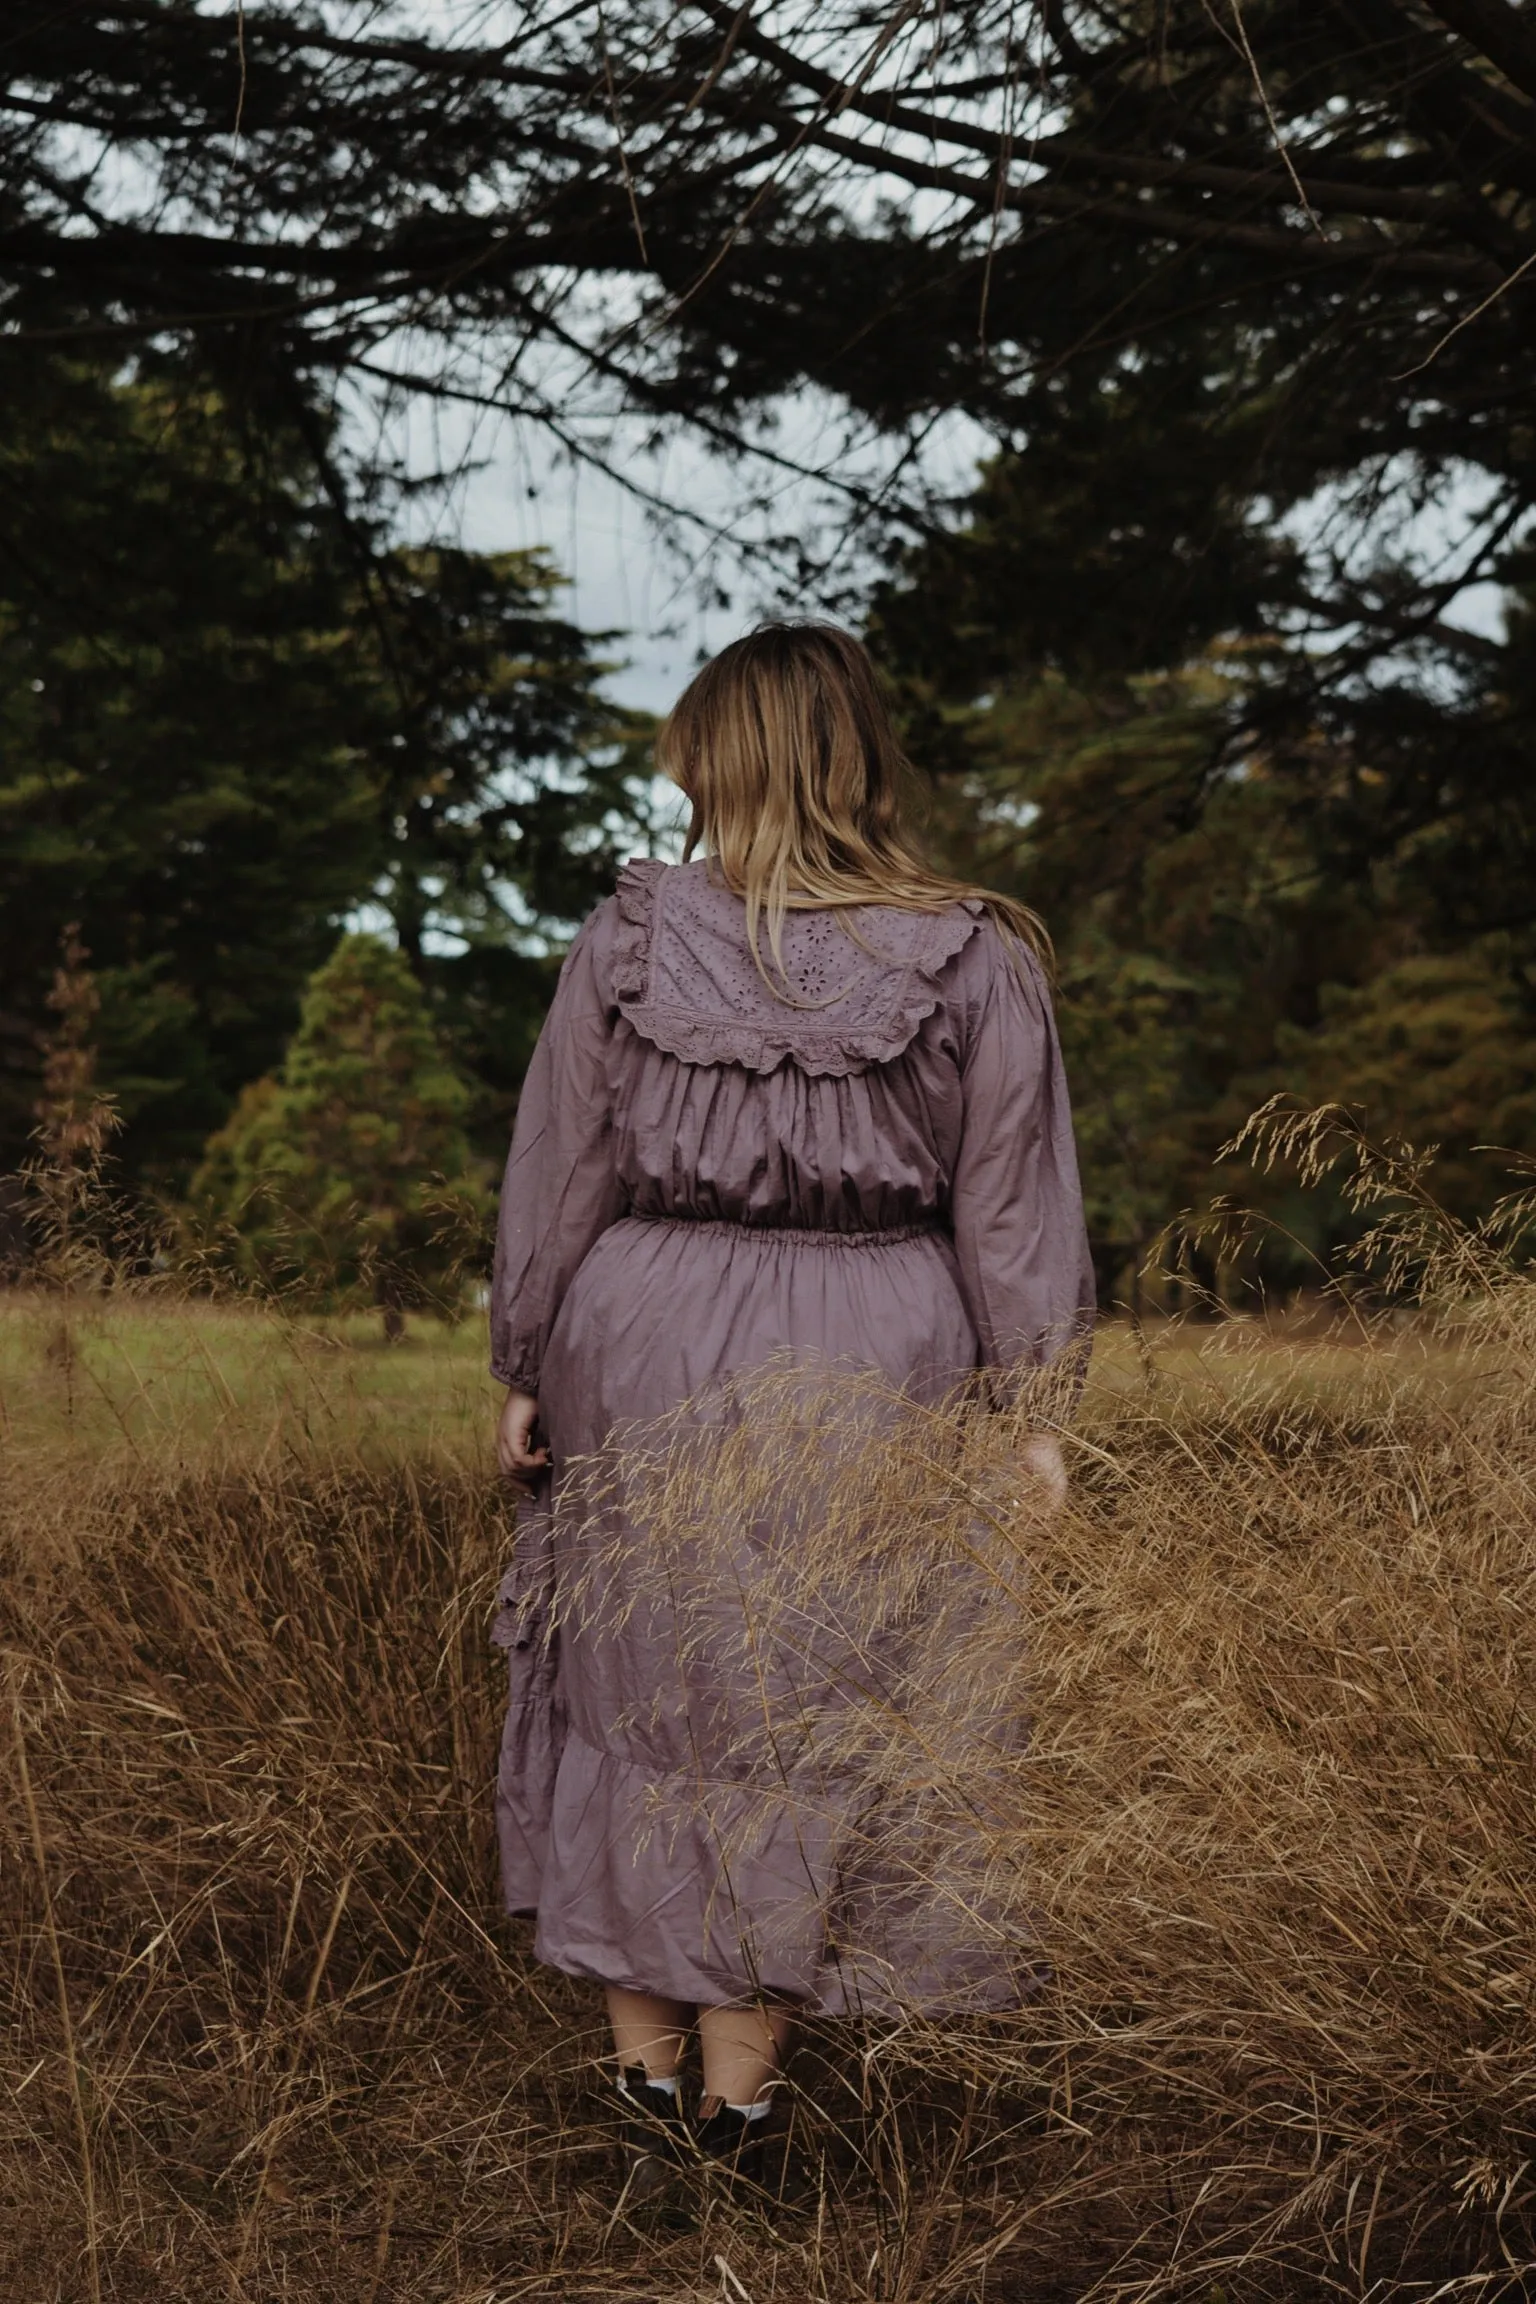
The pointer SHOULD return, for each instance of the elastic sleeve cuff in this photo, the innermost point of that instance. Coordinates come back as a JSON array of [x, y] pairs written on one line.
[[518, 1376]]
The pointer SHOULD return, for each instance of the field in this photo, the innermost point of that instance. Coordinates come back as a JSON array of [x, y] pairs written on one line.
[[181, 1383], [267, 2035]]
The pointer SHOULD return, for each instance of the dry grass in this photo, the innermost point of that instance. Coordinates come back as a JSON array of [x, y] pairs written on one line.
[[267, 2037]]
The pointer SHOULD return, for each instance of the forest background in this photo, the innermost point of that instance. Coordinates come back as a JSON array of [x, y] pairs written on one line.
[[1225, 658]]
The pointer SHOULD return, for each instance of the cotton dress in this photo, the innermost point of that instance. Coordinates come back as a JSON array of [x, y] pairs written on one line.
[[705, 1178]]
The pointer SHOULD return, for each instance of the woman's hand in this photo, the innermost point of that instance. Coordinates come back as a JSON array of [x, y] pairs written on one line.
[[1040, 1458], [515, 1452], [1017, 1479]]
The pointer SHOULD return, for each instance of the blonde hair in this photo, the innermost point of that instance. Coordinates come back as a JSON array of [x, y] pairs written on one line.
[[785, 751]]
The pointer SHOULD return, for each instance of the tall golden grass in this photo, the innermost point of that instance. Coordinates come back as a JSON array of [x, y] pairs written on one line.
[[1269, 1842]]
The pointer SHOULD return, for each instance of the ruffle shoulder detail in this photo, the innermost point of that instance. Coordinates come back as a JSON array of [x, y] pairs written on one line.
[[731, 1016], [635, 895]]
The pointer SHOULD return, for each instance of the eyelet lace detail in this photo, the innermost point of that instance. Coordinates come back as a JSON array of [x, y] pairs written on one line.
[[684, 975]]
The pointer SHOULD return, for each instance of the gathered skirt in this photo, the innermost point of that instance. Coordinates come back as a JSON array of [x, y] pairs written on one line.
[[663, 1807]]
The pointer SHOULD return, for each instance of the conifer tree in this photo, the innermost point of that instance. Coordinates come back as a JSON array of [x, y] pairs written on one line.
[[228, 716], [345, 1178]]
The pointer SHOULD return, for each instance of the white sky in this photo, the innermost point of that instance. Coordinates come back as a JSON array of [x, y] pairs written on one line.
[[673, 598], [622, 577]]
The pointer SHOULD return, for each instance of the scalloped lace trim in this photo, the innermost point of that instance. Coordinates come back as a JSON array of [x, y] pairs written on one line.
[[659, 902]]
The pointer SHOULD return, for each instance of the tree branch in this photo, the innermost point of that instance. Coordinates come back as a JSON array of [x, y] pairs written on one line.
[[1498, 32]]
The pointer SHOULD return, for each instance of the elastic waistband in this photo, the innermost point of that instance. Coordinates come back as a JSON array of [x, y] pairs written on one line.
[[824, 1236]]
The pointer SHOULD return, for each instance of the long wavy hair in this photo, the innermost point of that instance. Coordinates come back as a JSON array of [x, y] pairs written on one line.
[[800, 791]]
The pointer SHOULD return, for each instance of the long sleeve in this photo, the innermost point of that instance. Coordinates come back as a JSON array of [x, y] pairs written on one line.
[[1015, 1203], [560, 1189]]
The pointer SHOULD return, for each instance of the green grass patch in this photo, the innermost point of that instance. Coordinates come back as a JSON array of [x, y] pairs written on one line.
[[173, 1381]]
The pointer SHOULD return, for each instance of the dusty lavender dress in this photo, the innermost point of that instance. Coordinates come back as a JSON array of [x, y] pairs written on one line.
[[703, 1178]]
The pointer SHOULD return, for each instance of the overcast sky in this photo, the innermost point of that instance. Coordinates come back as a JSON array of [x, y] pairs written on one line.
[[623, 578], [675, 597]]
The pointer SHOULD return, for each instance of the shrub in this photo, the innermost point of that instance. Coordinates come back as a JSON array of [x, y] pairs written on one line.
[[345, 1179]]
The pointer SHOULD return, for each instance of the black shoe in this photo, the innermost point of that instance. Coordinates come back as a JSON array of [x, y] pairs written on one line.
[[752, 2160], [734, 2145], [656, 2138]]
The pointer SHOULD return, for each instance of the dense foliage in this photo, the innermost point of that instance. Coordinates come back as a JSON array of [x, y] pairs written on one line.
[[223, 730], [1219, 939], [687, 210], [345, 1178], [1243, 295]]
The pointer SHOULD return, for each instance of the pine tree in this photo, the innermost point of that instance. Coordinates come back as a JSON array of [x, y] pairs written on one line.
[[228, 717], [1438, 1049], [345, 1178]]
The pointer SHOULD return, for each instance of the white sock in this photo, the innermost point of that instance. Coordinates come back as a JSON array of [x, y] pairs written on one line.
[[668, 2087], [752, 2111]]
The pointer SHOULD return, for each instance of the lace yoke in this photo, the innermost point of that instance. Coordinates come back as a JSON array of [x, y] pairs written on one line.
[[686, 980]]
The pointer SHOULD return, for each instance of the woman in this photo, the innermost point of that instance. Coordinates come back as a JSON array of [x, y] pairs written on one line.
[[797, 1096]]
